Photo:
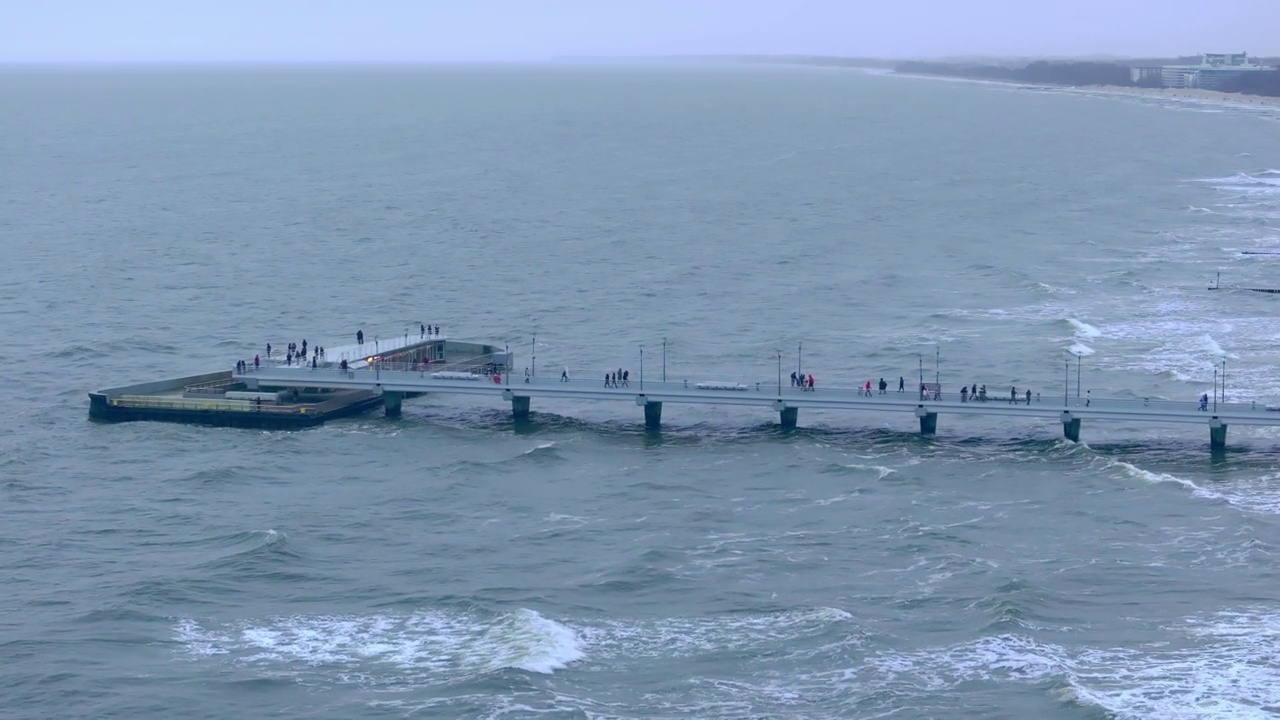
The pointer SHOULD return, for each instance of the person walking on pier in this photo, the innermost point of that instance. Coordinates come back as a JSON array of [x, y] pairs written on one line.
[[964, 394], [902, 384], [606, 379], [564, 374], [268, 349], [1088, 398], [526, 373], [793, 378], [867, 389], [810, 383], [1013, 394], [1204, 402], [626, 375], [437, 331], [1029, 398], [422, 330], [359, 337], [883, 386], [257, 362]]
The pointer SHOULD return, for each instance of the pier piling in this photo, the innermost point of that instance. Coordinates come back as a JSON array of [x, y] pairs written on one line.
[[653, 415], [928, 421], [391, 401], [520, 407], [1070, 427], [1217, 434], [789, 416]]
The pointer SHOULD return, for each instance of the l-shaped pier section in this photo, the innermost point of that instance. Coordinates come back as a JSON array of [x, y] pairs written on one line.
[[397, 381]]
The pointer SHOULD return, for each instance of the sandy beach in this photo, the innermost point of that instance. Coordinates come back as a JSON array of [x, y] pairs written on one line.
[[1187, 95]]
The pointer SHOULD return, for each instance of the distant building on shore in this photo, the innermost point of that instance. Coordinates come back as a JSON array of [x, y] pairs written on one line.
[[1213, 69]]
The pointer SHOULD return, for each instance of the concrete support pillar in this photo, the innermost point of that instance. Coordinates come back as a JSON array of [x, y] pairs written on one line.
[[520, 408], [653, 415], [789, 417], [1217, 434], [928, 421], [391, 402], [1070, 426]]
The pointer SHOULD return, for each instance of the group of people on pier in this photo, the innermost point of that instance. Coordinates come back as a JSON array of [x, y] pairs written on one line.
[[611, 379], [802, 381]]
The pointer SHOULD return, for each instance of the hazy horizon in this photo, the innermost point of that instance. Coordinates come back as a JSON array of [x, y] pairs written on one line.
[[403, 31]]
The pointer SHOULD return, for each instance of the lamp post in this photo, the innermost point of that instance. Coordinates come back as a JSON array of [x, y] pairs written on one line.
[[799, 357], [1079, 358], [375, 345], [664, 359], [506, 362], [1215, 388], [920, 357], [1066, 380], [1224, 382], [937, 364], [533, 353], [779, 373], [642, 369]]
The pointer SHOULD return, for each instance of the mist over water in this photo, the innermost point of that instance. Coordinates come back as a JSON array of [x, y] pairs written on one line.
[[452, 564]]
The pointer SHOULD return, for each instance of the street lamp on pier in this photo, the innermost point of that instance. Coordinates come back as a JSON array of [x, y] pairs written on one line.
[[642, 369], [664, 359], [533, 354], [920, 357], [1079, 359], [1066, 380], [779, 373]]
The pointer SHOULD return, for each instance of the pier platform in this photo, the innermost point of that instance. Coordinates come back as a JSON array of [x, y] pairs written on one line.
[[226, 399]]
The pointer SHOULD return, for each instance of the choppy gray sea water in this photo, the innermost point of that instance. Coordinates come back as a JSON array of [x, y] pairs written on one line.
[[449, 564]]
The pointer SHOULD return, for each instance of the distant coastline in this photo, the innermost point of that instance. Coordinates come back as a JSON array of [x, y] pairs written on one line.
[[1113, 74]]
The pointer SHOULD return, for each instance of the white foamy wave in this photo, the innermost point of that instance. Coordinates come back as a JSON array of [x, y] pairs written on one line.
[[1259, 495], [1264, 177], [881, 471], [1156, 477], [1081, 349], [683, 637], [1228, 673], [1213, 348], [1084, 329], [430, 645]]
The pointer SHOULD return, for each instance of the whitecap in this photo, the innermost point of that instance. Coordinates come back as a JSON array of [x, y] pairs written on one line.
[[1084, 329], [434, 645]]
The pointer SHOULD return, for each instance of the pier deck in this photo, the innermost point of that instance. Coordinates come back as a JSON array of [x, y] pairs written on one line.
[[395, 383]]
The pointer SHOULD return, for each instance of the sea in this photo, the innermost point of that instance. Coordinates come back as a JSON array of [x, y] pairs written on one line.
[[706, 222]]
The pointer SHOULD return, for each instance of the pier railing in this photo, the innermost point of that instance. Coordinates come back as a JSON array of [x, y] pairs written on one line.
[[151, 401]]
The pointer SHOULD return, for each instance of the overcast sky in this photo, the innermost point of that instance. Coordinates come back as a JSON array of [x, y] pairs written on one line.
[[504, 30]]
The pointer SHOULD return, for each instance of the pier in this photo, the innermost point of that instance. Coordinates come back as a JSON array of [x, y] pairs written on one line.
[[301, 396]]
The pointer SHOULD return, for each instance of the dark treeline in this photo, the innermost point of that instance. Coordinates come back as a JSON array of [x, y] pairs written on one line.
[[1043, 72], [1040, 72]]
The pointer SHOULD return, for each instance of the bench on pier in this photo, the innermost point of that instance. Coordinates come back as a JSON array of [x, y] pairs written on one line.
[[720, 386], [455, 376]]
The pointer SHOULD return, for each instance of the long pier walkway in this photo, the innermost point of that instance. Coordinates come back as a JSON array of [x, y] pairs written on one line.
[[395, 381]]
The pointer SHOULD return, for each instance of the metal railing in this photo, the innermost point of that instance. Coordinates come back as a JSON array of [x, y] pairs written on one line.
[[148, 401], [373, 346]]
